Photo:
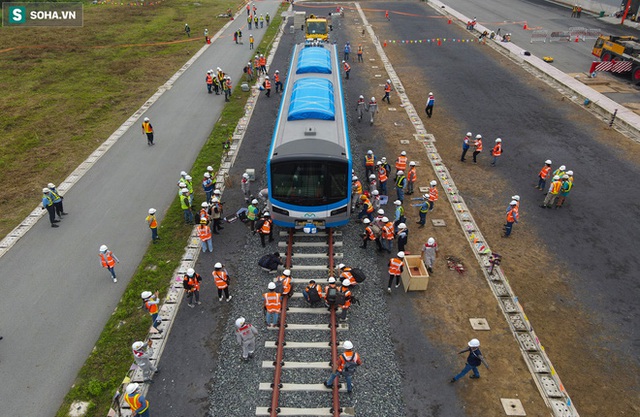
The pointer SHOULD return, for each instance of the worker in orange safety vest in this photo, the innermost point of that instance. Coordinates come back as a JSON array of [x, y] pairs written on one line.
[[221, 279], [496, 151], [139, 405], [396, 266], [108, 260], [272, 305], [552, 194]]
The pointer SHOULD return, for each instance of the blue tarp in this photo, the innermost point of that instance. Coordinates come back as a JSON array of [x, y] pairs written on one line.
[[314, 60], [312, 98]]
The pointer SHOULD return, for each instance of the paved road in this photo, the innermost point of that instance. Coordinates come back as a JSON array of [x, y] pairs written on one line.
[[54, 296]]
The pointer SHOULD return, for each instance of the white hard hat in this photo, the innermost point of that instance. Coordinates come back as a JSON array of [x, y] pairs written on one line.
[[182, 185], [152, 211], [343, 62], [474, 343], [183, 173], [548, 162], [346, 282], [565, 177], [184, 190], [403, 153], [131, 388], [332, 280], [431, 241], [361, 96], [51, 185], [401, 254], [372, 176], [266, 77], [430, 93], [46, 190], [354, 178], [498, 140], [240, 322], [216, 192], [215, 200], [569, 172], [469, 133], [425, 196], [369, 152], [218, 265], [278, 72], [555, 177], [286, 272], [103, 248], [400, 172], [146, 294], [191, 272], [137, 345], [397, 203], [562, 168], [347, 345], [513, 203], [385, 219], [146, 119], [375, 192], [204, 204], [515, 197], [380, 211], [188, 177], [340, 266], [383, 159], [254, 201], [478, 136], [433, 183], [379, 163], [271, 286], [266, 214], [366, 221], [245, 175], [373, 99], [209, 168], [388, 81], [402, 226], [207, 175], [412, 163]]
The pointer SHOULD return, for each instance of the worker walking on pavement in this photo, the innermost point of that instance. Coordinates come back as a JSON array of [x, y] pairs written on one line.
[[346, 367], [429, 254], [153, 224], [57, 200], [496, 151], [360, 105], [372, 108], [544, 175], [191, 283], [347, 69], [272, 305], [396, 266], [221, 278], [108, 260], [278, 81], [47, 203], [151, 302], [142, 354], [474, 360], [246, 337], [139, 405], [147, 129], [512, 217], [429, 106]]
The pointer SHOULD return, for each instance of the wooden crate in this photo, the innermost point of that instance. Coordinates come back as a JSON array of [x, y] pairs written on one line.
[[414, 275]]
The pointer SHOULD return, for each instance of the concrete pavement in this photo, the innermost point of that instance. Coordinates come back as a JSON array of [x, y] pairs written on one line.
[[55, 297]]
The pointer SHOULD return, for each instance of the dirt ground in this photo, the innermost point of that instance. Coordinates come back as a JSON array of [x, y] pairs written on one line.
[[591, 375]]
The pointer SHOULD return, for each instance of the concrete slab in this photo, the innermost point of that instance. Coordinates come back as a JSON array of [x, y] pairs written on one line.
[[512, 407], [479, 323], [438, 222]]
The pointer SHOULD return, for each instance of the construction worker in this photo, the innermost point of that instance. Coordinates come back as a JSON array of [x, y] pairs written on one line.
[[360, 58], [255, 21], [261, 21], [552, 194], [360, 107], [387, 92], [221, 279], [465, 146], [429, 106], [57, 200], [312, 292], [108, 260], [517, 199], [272, 305], [185, 204], [267, 18], [347, 364], [474, 360], [367, 208], [270, 262], [424, 209], [330, 292], [266, 228], [401, 183], [412, 177], [477, 147], [387, 235], [369, 160], [216, 84], [356, 192], [263, 64], [187, 30], [345, 273], [345, 289], [147, 129], [373, 184], [429, 254], [347, 69], [512, 217], [209, 80], [375, 199], [47, 203], [215, 211], [252, 214], [382, 177], [399, 216], [278, 81], [204, 233], [372, 108], [245, 186], [151, 302], [251, 39], [267, 86], [227, 88], [204, 213], [139, 405], [564, 190], [569, 173], [368, 234], [386, 15], [496, 151], [386, 165], [560, 171], [433, 194], [142, 354], [401, 162], [207, 186], [191, 283], [283, 283], [396, 266], [249, 19], [402, 235], [544, 175], [246, 337], [153, 224], [189, 183], [347, 52], [248, 69]]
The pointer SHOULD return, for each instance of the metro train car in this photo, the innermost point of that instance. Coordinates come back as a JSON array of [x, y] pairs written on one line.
[[309, 162]]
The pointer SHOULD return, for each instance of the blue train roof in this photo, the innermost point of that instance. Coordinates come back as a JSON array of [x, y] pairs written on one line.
[[312, 98], [314, 60]]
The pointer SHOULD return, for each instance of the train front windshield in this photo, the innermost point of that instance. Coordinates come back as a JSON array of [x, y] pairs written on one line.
[[309, 183]]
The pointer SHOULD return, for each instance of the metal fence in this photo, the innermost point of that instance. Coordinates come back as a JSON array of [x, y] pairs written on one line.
[[560, 36], [539, 36]]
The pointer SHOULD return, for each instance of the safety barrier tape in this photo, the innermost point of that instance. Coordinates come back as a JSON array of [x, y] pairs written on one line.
[[546, 379]]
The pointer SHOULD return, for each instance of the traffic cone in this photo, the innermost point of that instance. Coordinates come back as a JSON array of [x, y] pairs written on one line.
[[525, 26], [384, 44], [577, 40], [449, 22]]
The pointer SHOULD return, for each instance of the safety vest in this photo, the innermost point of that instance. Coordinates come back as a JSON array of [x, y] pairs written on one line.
[[49, 199], [263, 61], [478, 145], [255, 20], [204, 215], [228, 85], [252, 212], [394, 266], [544, 172], [277, 77], [220, 76], [382, 174], [272, 302], [555, 187], [107, 259], [286, 283], [267, 84], [250, 41], [348, 356], [387, 231], [412, 175], [347, 67], [369, 160], [424, 208], [369, 233], [497, 150], [558, 172], [368, 206], [387, 88], [209, 79], [512, 215], [151, 219], [147, 126], [204, 232], [359, 49], [189, 186], [347, 296], [401, 163], [400, 181], [266, 227], [346, 274], [261, 19], [135, 403], [184, 202], [221, 278], [567, 186], [433, 194], [193, 282], [151, 307], [357, 186], [399, 212]]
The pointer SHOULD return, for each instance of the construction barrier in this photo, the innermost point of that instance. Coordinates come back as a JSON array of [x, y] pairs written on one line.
[[539, 35], [578, 33], [617, 67], [560, 36], [593, 33]]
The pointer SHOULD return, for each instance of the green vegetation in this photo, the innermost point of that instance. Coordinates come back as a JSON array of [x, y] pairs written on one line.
[[107, 365]]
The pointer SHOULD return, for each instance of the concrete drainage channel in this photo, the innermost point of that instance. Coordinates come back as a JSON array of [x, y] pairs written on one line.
[[175, 294], [546, 379]]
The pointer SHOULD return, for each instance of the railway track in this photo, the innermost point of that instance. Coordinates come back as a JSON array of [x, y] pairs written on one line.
[[306, 343]]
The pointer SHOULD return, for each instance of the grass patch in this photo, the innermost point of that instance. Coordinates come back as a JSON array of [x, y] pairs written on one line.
[[105, 368]]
